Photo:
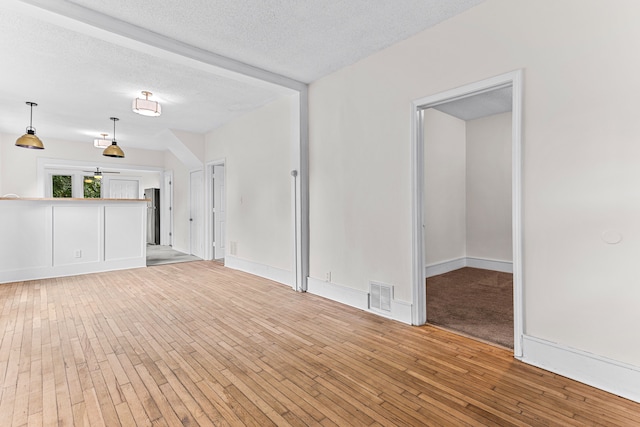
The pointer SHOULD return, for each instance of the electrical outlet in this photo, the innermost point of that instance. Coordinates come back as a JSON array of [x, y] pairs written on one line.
[[233, 248], [78, 253], [328, 276]]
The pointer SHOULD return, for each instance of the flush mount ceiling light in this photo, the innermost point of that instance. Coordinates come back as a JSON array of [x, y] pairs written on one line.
[[102, 142], [113, 150], [145, 106], [29, 139]]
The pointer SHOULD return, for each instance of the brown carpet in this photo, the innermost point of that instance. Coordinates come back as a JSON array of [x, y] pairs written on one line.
[[474, 302]]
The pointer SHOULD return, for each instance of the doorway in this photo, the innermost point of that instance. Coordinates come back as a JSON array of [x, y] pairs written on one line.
[[196, 214], [431, 256], [218, 211]]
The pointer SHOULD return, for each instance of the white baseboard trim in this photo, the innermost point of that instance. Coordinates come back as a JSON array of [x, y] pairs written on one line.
[[606, 374], [70, 270], [455, 264], [400, 310], [490, 264], [445, 267], [268, 272], [342, 294]]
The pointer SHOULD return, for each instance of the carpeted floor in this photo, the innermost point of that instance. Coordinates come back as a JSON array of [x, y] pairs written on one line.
[[474, 302]]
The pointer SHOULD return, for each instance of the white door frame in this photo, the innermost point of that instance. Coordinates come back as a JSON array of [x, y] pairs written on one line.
[[166, 212], [200, 227], [419, 307], [208, 185]]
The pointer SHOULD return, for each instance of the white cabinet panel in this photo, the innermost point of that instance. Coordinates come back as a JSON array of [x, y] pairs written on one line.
[[42, 238], [122, 235], [25, 234], [76, 234]]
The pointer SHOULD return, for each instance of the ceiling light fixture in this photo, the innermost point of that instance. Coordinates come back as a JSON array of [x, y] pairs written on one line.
[[113, 150], [102, 142], [29, 139], [145, 106]]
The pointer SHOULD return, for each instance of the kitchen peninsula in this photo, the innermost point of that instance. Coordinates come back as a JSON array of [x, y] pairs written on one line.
[[54, 237]]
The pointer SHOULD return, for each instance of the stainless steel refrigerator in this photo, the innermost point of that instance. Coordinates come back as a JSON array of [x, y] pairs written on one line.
[[153, 215]]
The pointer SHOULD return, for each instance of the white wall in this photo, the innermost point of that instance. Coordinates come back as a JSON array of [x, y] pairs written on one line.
[[488, 201], [445, 187], [256, 148], [149, 180], [2, 160], [580, 169], [194, 142]]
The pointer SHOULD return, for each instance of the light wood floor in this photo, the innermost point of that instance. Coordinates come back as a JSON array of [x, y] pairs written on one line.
[[198, 344]]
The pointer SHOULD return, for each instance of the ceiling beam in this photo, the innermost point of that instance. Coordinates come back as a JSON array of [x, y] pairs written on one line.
[[95, 24]]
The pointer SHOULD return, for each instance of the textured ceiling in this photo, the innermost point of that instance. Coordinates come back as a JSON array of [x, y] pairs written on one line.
[[79, 81], [300, 39], [481, 105]]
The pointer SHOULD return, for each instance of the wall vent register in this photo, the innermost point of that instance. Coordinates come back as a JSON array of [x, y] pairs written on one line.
[[380, 296]]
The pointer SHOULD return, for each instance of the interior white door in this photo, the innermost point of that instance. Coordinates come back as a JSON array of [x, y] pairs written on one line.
[[196, 214], [166, 212], [219, 212], [123, 188]]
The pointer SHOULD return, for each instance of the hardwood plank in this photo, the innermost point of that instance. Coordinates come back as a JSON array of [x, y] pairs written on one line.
[[156, 391], [138, 391], [125, 416], [134, 405], [221, 402], [179, 397], [80, 417], [201, 344]]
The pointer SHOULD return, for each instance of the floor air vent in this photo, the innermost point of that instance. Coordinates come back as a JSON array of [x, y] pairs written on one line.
[[380, 296]]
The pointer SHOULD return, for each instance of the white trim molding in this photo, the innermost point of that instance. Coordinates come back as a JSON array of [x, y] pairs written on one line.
[[514, 80], [490, 264], [444, 267], [49, 272], [208, 200], [257, 269], [606, 374], [456, 264], [400, 310]]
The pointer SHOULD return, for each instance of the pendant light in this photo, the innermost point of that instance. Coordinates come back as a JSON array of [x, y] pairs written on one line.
[[29, 139], [102, 142], [113, 150], [145, 106]]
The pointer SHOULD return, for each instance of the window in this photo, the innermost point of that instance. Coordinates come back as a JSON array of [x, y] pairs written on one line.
[[61, 186], [91, 187], [69, 184]]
